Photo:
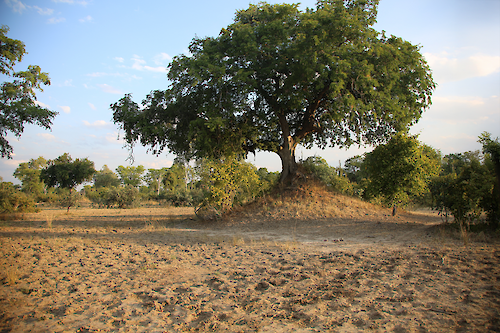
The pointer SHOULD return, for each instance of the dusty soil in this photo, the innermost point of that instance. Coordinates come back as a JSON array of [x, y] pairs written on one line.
[[160, 270]]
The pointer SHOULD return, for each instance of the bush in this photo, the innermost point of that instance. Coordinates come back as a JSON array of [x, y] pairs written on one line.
[[13, 200], [179, 197], [227, 182], [121, 197], [335, 179]]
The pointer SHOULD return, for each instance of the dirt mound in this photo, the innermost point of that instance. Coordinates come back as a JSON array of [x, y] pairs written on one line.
[[309, 200]]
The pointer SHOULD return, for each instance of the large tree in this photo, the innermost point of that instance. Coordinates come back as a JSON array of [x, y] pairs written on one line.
[[278, 77], [17, 98]]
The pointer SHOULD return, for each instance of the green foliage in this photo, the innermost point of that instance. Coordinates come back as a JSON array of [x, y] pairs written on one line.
[[462, 193], [131, 175], [155, 179], [468, 184], [29, 175], [14, 201], [122, 197], [228, 181], [335, 178], [278, 77], [268, 180], [106, 178], [17, 98], [491, 149], [65, 173], [400, 171], [182, 197], [178, 176], [355, 169], [119, 197]]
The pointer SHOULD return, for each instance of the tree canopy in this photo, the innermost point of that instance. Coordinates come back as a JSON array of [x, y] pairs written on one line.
[[17, 98], [278, 77], [65, 173], [131, 175], [106, 178]]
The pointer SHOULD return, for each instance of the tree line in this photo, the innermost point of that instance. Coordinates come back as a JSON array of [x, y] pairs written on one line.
[[220, 183], [403, 172]]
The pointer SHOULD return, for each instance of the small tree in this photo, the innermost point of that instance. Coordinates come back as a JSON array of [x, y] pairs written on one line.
[[17, 98], [29, 175], [65, 173], [400, 170], [106, 178], [155, 179], [465, 188], [131, 175], [228, 181]]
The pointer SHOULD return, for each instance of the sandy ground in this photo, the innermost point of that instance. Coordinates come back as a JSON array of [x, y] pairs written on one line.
[[159, 270]]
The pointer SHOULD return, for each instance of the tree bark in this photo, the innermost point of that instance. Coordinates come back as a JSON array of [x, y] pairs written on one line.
[[288, 163], [287, 153]]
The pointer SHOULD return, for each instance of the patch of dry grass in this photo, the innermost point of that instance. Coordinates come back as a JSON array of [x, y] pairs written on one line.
[[310, 200]]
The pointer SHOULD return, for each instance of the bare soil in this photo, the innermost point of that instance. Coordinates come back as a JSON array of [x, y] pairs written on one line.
[[284, 268]]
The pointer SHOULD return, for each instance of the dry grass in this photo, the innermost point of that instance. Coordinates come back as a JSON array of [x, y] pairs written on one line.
[[11, 275], [308, 201]]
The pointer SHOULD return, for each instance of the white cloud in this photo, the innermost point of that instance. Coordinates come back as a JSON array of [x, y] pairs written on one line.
[[139, 64], [447, 68], [453, 101], [66, 109], [13, 163], [158, 165], [87, 18], [47, 136], [54, 20], [119, 59], [43, 105], [16, 5], [46, 11], [109, 89], [160, 58], [92, 106], [97, 123]]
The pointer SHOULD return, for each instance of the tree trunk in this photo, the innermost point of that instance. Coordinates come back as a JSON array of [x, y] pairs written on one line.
[[70, 201], [288, 163]]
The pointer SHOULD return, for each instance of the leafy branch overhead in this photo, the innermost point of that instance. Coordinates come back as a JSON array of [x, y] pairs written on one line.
[[278, 77], [17, 98]]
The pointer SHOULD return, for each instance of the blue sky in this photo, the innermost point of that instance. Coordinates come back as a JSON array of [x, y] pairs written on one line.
[[96, 51]]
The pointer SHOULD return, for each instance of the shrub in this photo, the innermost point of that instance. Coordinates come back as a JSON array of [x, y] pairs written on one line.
[[228, 181], [13, 200], [335, 178], [121, 197]]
